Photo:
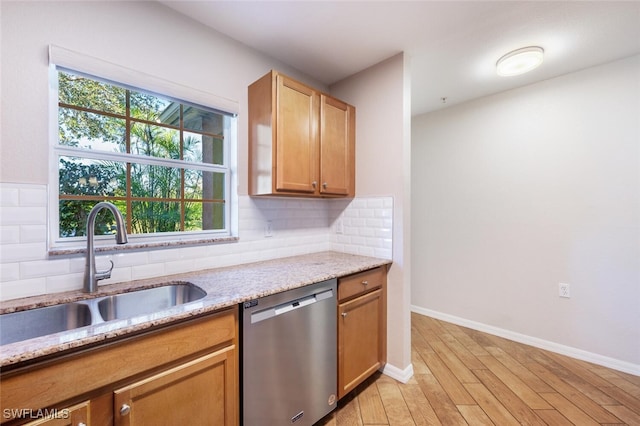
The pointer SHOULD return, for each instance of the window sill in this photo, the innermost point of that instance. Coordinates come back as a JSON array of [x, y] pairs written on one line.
[[114, 248]]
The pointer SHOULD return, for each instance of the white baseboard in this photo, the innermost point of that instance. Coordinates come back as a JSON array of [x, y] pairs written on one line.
[[398, 374], [602, 360]]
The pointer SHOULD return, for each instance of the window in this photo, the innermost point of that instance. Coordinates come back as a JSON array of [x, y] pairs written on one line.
[[163, 162]]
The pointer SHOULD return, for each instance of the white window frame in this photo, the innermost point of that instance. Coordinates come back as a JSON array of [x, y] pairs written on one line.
[[67, 60]]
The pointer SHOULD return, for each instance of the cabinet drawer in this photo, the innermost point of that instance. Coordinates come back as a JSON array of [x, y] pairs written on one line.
[[362, 282]]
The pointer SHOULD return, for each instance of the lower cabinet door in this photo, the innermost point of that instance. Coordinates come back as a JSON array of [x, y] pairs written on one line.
[[199, 392], [360, 340]]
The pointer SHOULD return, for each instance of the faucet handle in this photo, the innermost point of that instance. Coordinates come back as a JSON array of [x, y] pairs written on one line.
[[103, 275]]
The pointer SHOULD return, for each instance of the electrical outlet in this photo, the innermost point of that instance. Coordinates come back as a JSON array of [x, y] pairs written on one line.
[[564, 290], [268, 229], [339, 226]]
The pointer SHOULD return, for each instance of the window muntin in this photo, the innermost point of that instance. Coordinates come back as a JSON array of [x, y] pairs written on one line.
[[162, 162]]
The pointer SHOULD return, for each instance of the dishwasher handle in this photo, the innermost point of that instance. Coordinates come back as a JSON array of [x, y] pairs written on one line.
[[289, 306]]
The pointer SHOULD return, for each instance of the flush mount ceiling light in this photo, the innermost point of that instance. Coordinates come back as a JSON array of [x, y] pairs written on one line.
[[520, 61]]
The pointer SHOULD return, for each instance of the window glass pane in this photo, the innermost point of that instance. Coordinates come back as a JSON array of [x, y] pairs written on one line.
[[99, 118], [203, 216], [80, 176], [155, 216], [155, 141], [200, 148], [149, 181], [88, 93], [91, 131], [152, 108], [203, 185], [74, 213]]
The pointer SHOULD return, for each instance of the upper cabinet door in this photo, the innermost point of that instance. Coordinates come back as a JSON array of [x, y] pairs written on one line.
[[296, 136], [301, 141], [337, 146]]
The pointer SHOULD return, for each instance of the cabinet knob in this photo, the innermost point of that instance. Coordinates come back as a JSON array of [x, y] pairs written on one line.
[[314, 184], [324, 185], [125, 409], [365, 283], [81, 424], [344, 314]]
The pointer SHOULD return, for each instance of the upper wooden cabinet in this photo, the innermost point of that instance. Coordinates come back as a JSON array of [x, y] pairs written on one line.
[[301, 141]]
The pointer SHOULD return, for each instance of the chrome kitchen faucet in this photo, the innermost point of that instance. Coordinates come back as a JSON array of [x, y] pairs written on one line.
[[91, 275]]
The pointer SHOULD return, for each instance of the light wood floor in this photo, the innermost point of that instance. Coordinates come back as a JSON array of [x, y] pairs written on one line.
[[462, 376]]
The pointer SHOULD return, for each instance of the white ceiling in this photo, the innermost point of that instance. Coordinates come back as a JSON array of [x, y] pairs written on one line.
[[453, 45]]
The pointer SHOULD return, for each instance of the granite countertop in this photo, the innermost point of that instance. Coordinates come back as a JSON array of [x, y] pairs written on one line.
[[225, 287]]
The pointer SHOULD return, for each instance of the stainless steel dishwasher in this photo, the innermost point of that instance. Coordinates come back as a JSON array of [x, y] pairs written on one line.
[[289, 356]]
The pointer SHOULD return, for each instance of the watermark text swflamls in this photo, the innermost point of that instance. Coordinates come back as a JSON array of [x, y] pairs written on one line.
[[29, 413]]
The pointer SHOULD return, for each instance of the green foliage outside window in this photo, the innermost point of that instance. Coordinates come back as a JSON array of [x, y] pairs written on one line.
[[97, 120]]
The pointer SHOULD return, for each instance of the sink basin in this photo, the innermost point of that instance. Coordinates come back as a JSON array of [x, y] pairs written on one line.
[[23, 325], [141, 302]]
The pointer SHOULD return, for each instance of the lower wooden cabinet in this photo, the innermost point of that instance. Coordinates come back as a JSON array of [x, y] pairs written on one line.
[[185, 373], [192, 393], [362, 327]]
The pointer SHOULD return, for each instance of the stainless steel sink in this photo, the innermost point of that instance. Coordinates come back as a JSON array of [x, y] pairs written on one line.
[[141, 302], [24, 325]]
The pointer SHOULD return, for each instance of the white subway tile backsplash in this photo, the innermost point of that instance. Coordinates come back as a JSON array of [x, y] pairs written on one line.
[[9, 234], [210, 262], [22, 288], [59, 283], [9, 271], [366, 213], [383, 233], [367, 232], [351, 230], [165, 255], [44, 268], [343, 239], [352, 213], [360, 223], [375, 203], [76, 264], [126, 259], [9, 197], [374, 223], [366, 251], [23, 215], [300, 226], [33, 196], [33, 233], [359, 203], [358, 241], [10, 253], [179, 266], [366, 226], [148, 270]]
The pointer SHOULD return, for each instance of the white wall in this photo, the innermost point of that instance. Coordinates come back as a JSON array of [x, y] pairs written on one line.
[[517, 192], [383, 149]]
